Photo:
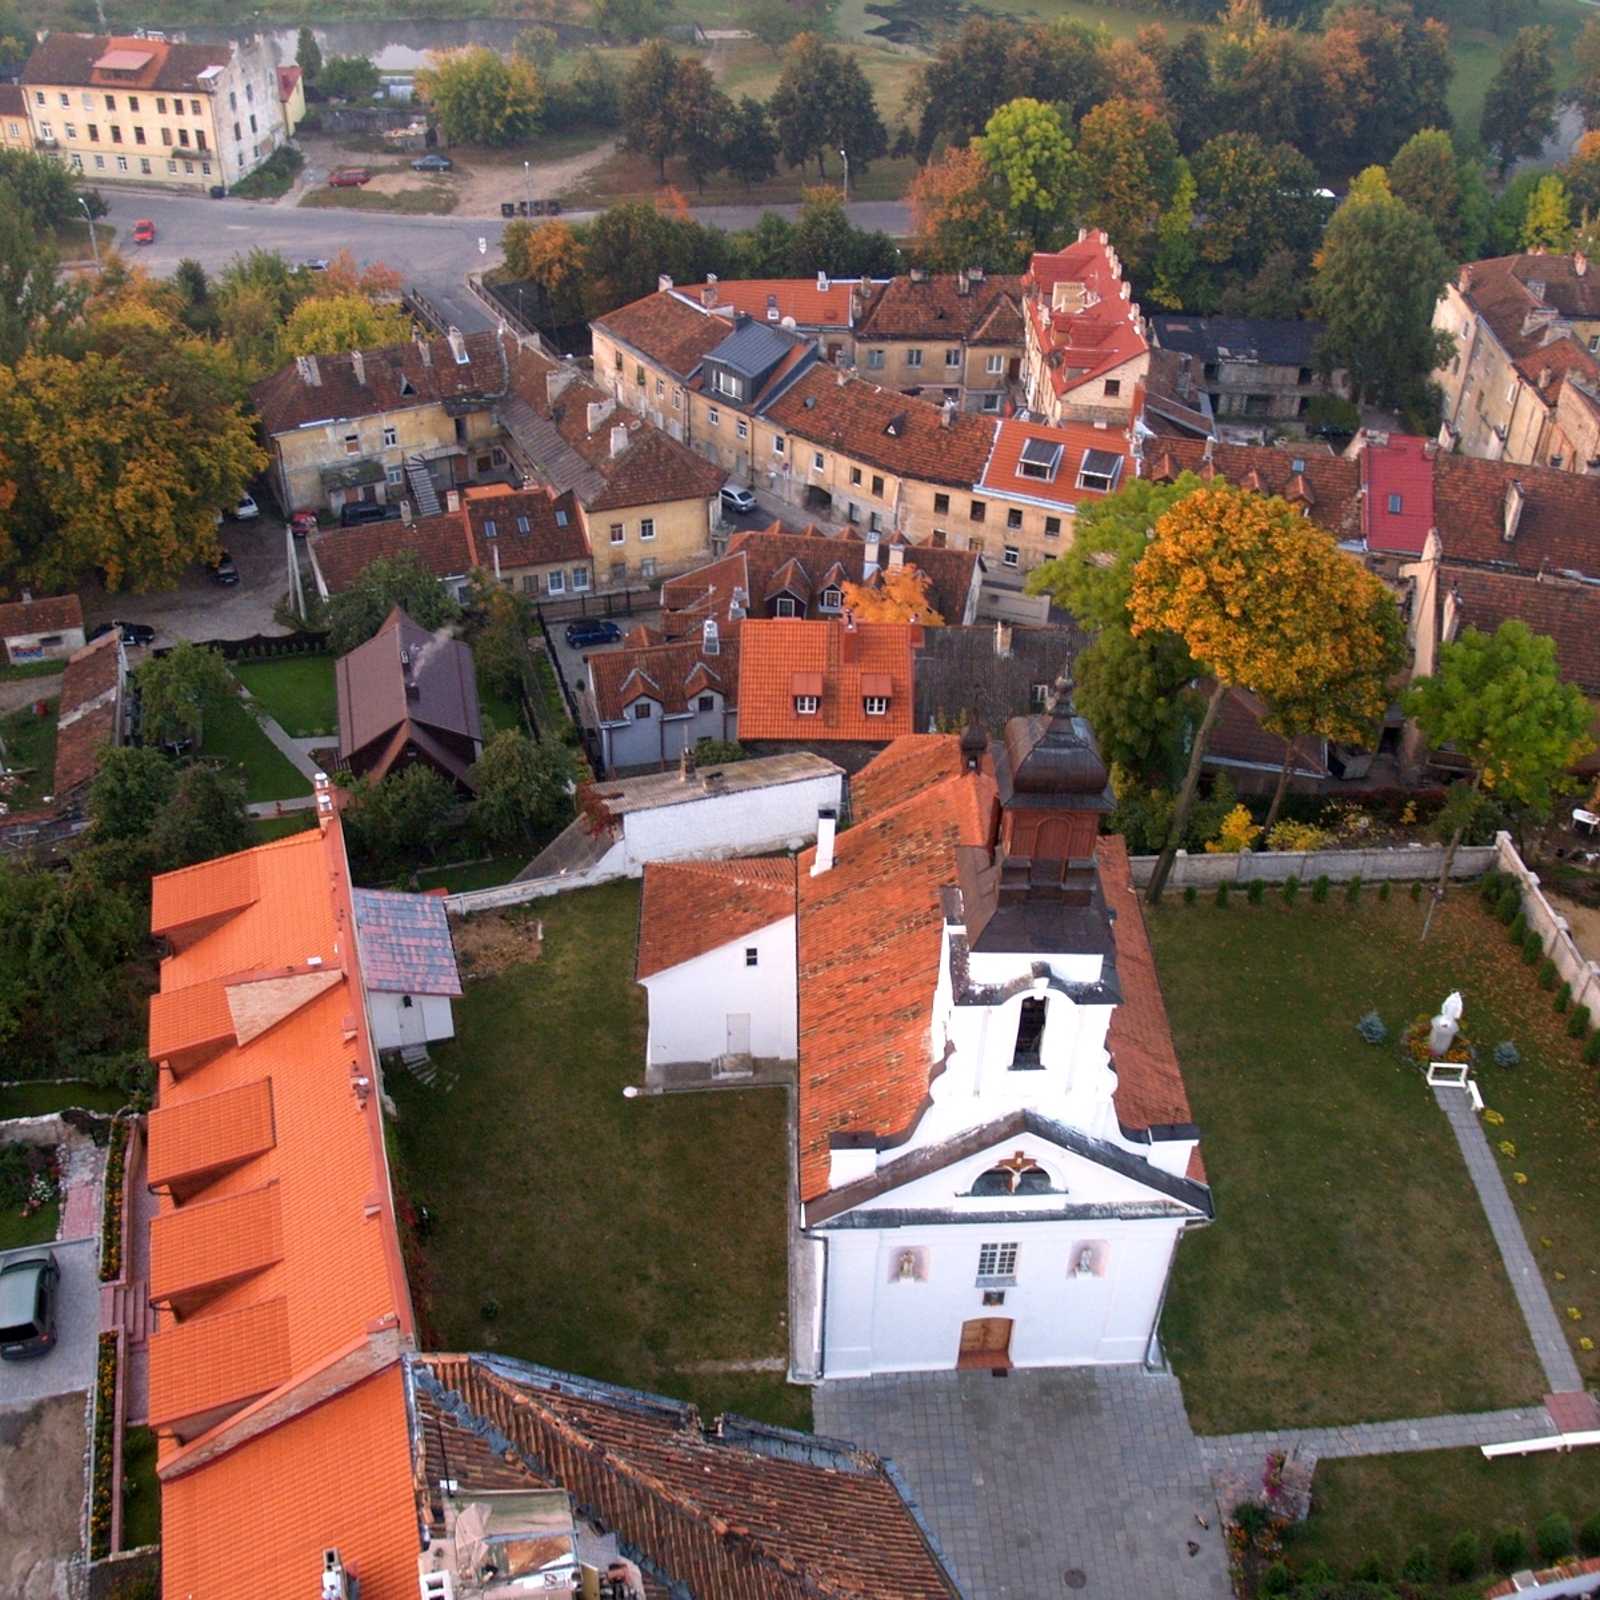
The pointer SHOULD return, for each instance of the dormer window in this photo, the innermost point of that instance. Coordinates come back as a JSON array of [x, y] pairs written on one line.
[[1039, 460], [806, 705], [561, 519], [728, 384], [876, 705], [1030, 1036], [832, 600], [1100, 471], [490, 528]]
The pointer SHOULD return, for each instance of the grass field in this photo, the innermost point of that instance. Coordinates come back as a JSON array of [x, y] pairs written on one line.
[[141, 1492], [233, 735], [488, 874], [32, 669], [29, 744], [40, 1099], [1350, 1275], [269, 828], [430, 202], [624, 1239], [297, 692], [1388, 1506], [39, 1228]]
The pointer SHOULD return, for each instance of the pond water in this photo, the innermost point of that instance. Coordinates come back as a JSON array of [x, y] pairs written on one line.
[[398, 46]]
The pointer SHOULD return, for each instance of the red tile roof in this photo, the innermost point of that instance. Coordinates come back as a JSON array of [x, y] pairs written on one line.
[[1238, 736], [946, 305], [1326, 486], [396, 377], [1397, 481], [692, 907], [666, 330], [805, 299], [850, 663], [669, 674], [1003, 475], [213, 1133], [209, 1243], [1080, 343], [443, 544], [530, 528], [901, 434], [76, 58], [1559, 527], [206, 1362], [1504, 290], [56, 613], [1568, 612], [88, 712], [902, 770]]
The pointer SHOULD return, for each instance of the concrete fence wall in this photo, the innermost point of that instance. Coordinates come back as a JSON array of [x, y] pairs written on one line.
[[1551, 926], [1398, 864], [516, 894]]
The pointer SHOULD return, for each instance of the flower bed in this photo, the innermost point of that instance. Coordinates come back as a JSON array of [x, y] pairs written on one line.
[[1415, 1045], [111, 1213], [105, 1426]]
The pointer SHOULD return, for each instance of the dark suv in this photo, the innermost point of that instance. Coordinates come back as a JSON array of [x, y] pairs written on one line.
[[28, 1290], [591, 631], [358, 511]]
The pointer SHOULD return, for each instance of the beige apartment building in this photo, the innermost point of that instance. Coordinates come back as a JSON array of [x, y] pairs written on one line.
[[139, 108], [16, 133]]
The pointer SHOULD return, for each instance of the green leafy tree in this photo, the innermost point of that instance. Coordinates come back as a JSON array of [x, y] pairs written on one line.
[[1256, 199], [523, 789], [1059, 62], [537, 46], [36, 305], [594, 93], [1498, 701], [1586, 59], [348, 78], [46, 190], [1548, 222], [1519, 109], [1582, 175], [390, 581], [1447, 192], [328, 325], [750, 146], [1030, 154], [650, 105], [955, 219], [1187, 88], [402, 819], [628, 21], [308, 55], [1177, 250], [178, 689], [206, 818], [1127, 173], [773, 22], [1380, 273], [823, 103], [825, 240], [483, 97], [971, 74], [132, 786], [702, 113]]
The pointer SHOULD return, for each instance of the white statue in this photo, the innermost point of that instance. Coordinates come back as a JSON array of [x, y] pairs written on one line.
[[1451, 1008], [1445, 1026]]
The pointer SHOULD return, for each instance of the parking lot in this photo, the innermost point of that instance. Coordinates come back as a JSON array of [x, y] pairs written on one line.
[[70, 1366]]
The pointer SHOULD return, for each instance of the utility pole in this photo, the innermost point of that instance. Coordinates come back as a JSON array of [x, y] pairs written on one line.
[[527, 188], [844, 155], [94, 243]]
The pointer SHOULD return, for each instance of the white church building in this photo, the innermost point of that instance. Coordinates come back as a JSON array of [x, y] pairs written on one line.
[[995, 1156]]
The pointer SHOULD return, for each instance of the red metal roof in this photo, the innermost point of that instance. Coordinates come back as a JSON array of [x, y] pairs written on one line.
[[1397, 509]]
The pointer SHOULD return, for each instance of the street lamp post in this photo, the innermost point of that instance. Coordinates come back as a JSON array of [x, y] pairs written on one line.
[[94, 242], [527, 188], [844, 155]]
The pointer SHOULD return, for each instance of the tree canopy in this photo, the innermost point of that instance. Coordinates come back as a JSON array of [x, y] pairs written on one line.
[[176, 691], [902, 594], [482, 96], [390, 581]]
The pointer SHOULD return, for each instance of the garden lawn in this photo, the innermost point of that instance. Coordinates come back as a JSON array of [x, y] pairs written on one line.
[[17, 1230], [1350, 1274], [430, 202], [621, 1239], [297, 692], [30, 749], [233, 735], [267, 829], [40, 1099], [141, 1490], [1386, 1506], [627, 176], [488, 874]]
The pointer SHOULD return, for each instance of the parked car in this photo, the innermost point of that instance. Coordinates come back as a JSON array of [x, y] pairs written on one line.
[[132, 632], [359, 511], [737, 499], [247, 510], [303, 524], [432, 162], [225, 572], [592, 631], [349, 178], [28, 1294], [144, 231], [315, 264]]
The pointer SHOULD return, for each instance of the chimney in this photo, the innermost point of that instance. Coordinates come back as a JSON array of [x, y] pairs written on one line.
[[919, 274], [406, 514], [869, 559], [452, 499], [975, 275], [599, 410], [310, 373], [963, 286], [1515, 500], [1580, 262], [556, 380], [1544, 377], [324, 798], [458, 346], [849, 640], [858, 304], [827, 825], [710, 644], [358, 366], [619, 440], [708, 293], [947, 414], [897, 556], [822, 282], [686, 765], [843, 377], [425, 350], [1002, 639], [663, 283]]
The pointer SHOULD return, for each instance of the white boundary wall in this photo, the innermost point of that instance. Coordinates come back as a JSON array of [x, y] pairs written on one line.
[[1551, 926], [1396, 864]]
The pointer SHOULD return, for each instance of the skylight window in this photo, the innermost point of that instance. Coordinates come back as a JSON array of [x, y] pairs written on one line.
[[1100, 470], [1396, 504], [1040, 458]]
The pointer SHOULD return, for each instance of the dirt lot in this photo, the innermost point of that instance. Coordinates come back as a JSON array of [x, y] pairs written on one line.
[[41, 1495], [494, 940]]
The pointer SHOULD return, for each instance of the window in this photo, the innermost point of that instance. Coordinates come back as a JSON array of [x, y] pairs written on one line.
[[556, 582], [183, 137], [122, 163], [144, 165], [45, 131], [714, 418], [1052, 527], [852, 512], [65, 99], [874, 357], [979, 510], [989, 402], [913, 358], [677, 399], [1113, 388], [1594, 343], [726, 383], [817, 461], [997, 1265], [1030, 1034], [941, 504], [1013, 518], [172, 166], [116, 134], [806, 704], [642, 711], [138, 134], [616, 360], [491, 529], [941, 538], [194, 111], [647, 528], [391, 436], [237, 134], [205, 168], [779, 444], [742, 428], [100, 163], [233, 101], [580, 578], [975, 543], [93, 130], [706, 702], [1040, 460], [70, 130], [783, 606], [77, 166], [874, 521], [1013, 556], [877, 705], [752, 956], [133, 102], [877, 485], [188, 168], [832, 600], [561, 520], [1212, 371], [352, 444], [952, 358], [647, 567], [617, 534], [994, 364], [661, 388], [38, 97], [250, 93], [161, 106], [1395, 504], [638, 374], [1039, 695], [1100, 470], [166, 137]]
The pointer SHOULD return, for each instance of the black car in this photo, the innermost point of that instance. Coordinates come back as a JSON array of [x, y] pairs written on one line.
[[592, 631], [359, 511], [432, 163], [28, 1306], [132, 632], [225, 572]]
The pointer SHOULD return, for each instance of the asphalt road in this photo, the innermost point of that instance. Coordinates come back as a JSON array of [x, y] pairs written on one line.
[[433, 253]]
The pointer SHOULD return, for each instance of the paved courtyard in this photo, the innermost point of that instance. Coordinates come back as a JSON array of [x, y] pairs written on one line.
[[69, 1367], [1047, 1482]]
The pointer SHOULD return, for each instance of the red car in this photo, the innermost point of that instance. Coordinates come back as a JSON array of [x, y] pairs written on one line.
[[349, 178], [303, 523], [144, 231]]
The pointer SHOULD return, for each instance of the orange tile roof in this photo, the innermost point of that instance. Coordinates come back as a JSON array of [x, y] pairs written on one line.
[[196, 894], [946, 306], [216, 1360], [690, 907], [666, 329], [1080, 345], [189, 1019], [88, 715], [903, 769], [801, 298], [252, 1524], [773, 652], [211, 1133], [869, 942], [1002, 474], [211, 1242]]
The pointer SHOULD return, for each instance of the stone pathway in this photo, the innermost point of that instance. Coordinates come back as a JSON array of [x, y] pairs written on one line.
[[278, 808], [1049, 1481], [291, 748], [1544, 1327]]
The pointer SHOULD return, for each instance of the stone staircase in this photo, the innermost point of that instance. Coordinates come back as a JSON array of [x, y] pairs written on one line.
[[126, 1307], [423, 493], [416, 1060]]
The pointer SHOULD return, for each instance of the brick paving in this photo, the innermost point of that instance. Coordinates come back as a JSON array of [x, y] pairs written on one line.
[[1544, 1327], [1045, 1473]]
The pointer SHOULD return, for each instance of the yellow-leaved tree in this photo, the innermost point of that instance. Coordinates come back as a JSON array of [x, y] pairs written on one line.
[[1262, 599], [900, 594], [327, 325]]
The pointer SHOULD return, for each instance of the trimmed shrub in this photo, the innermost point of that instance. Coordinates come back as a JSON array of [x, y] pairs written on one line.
[[1256, 889], [1383, 890], [1508, 1550], [1222, 894], [1416, 888], [1189, 894], [1372, 1029], [1507, 1055], [1291, 887], [1547, 974], [1352, 890], [1589, 1535], [1510, 904], [1319, 889], [1462, 1557], [1253, 1519], [1492, 885], [1418, 1567], [1578, 1022], [1371, 1569], [1532, 948], [1316, 1572], [1276, 1580], [1553, 1536], [1591, 1054], [1563, 997], [1519, 928]]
